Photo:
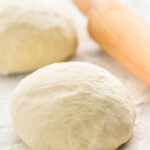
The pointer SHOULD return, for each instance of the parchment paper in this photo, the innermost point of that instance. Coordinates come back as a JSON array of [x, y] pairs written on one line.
[[88, 51]]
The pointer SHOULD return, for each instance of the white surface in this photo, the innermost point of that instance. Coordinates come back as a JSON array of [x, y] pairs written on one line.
[[88, 51]]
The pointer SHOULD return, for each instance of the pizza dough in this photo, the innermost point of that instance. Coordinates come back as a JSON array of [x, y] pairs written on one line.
[[34, 33], [72, 106]]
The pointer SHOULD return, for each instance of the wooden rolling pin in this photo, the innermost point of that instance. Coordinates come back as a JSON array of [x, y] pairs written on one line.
[[121, 33]]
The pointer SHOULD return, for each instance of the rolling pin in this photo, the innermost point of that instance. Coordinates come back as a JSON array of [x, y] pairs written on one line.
[[124, 35]]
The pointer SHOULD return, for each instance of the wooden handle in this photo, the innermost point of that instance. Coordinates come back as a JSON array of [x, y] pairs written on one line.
[[123, 35], [85, 5]]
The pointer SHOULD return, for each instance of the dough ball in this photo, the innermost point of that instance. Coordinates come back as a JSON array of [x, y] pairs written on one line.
[[72, 106], [34, 33]]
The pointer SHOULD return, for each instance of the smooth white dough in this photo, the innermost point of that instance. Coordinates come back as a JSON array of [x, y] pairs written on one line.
[[34, 33], [72, 106]]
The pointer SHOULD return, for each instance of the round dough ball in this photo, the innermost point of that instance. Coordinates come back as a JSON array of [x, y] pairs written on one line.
[[72, 106], [34, 33]]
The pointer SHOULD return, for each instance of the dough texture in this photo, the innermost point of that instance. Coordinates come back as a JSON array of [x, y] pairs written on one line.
[[34, 33], [72, 106]]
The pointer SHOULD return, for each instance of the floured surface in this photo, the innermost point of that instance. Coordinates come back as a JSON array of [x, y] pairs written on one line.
[[88, 51]]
